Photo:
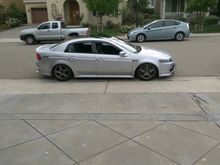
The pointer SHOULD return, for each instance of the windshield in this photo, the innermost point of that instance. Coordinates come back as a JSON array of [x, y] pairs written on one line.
[[126, 45]]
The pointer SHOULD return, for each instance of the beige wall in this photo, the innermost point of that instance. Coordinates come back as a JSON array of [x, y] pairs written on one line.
[[60, 9], [29, 6], [19, 4]]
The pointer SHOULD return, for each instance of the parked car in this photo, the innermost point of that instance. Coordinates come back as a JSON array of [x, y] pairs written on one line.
[[51, 31], [164, 29], [102, 57]]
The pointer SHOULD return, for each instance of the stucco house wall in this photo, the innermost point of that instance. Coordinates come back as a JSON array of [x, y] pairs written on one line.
[[60, 9]]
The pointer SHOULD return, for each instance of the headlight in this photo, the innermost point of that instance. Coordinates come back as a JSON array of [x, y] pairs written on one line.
[[133, 32], [166, 60]]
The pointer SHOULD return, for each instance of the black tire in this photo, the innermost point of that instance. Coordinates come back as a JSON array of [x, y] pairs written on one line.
[[30, 40], [179, 36], [147, 72], [62, 72], [141, 38]]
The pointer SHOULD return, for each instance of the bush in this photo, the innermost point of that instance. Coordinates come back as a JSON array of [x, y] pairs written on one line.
[[101, 35], [211, 20], [127, 28]]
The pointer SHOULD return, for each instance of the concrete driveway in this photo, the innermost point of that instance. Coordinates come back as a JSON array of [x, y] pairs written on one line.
[[173, 122]]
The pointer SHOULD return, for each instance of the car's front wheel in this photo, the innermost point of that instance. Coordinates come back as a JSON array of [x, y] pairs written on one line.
[[179, 36], [62, 72], [147, 72], [30, 40], [141, 38]]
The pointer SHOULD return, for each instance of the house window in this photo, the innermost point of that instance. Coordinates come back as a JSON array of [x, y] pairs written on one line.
[[175, 5], [151, 3]]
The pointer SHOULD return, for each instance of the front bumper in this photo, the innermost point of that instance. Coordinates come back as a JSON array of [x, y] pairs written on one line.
[[167, 69], [131, 37], [22, 37]]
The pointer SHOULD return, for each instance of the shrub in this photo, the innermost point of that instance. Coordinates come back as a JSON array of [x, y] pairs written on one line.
[[127, 28], [211, 20], [100, 35]]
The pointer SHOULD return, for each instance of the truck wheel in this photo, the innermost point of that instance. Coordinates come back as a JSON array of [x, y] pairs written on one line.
[[30, 40]]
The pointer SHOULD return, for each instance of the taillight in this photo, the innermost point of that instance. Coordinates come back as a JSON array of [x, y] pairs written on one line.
[[38, 57], [187, 25]]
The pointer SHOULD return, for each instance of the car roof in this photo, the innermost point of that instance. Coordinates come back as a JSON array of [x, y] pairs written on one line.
[[90, 39]]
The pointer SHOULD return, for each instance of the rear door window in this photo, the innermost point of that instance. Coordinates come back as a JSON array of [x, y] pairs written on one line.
[[82, 47], [54, 25], [171, 23]]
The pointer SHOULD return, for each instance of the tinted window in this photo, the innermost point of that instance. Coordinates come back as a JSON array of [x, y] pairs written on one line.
[[54, 25], [106, 48], [85, 47], [44, 26], [157, 24], [63, 25], [171, 23]]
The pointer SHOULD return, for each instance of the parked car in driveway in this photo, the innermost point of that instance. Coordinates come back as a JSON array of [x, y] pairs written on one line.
[[164, 29], [51, 31], [102, 57]]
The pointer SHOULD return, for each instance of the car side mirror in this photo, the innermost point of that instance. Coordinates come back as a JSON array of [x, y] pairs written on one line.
[[149, 27], [122, 54]]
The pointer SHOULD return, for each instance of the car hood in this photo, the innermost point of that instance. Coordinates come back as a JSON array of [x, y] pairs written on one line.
[[134, 30], [25, 31], [156, 53]]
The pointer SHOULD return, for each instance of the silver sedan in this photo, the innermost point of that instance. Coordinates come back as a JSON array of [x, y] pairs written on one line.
[[160, 30], [102, 57]]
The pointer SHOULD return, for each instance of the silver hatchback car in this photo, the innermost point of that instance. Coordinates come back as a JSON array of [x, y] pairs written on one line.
[[102, 57], [160, 30]]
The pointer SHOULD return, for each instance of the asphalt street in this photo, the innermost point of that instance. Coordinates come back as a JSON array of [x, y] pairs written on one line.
[[194, 57]]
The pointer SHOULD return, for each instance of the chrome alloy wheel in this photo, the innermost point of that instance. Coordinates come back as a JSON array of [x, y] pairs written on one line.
[[147, 71], [140, 37], [179, 36], [62, 72]]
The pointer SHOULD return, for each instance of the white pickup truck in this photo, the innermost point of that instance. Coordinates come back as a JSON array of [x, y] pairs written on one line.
[[51, 31]]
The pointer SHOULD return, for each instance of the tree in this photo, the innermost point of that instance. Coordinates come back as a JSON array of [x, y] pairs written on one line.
[[102, 7], [200, 7], [132, 7], [218, 8]]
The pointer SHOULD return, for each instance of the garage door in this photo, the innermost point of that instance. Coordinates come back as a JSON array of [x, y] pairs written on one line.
[[39, 15]]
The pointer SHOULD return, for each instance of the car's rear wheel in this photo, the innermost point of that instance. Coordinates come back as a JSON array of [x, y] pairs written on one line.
[[30, 40], [62, 72], [147, 72], [179, 36], [141, 38]]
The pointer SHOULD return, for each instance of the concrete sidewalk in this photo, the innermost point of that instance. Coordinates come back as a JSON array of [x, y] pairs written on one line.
[[172, 121], [162, 85]]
